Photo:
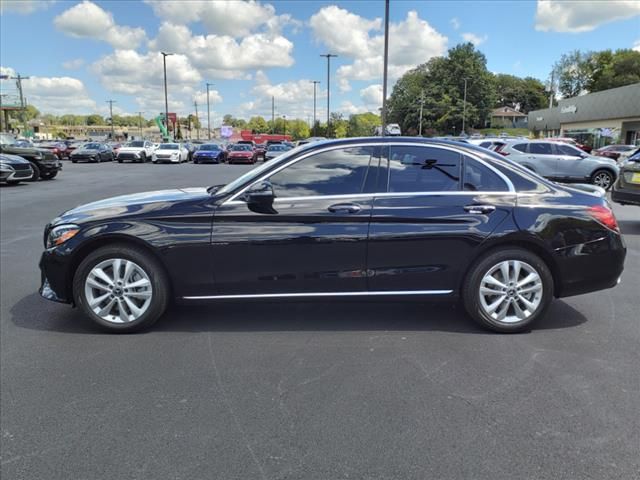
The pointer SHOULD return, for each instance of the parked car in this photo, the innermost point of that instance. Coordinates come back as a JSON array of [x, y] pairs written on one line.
[[309, 140], [45, 164], [626, 190], [561, 162], [241, 153], [492, 144], [624, 156], [613, 151], [170, 153], [209, 153], [93, 153], [59, 149], [191, 148], [115, 147], [275, 150], [573, 142], [432, 220], [136, 151], [14, 169], [261, 150]]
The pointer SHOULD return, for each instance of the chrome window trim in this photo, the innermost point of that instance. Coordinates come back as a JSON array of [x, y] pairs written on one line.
[[232, 200], [319, 294]]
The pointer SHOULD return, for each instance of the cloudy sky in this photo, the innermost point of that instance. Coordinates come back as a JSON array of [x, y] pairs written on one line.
[[81, 53]]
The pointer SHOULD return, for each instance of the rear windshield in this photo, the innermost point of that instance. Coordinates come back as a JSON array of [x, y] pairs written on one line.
[[210, 146]]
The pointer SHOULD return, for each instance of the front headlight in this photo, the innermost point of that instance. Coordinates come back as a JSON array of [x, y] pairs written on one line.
[[5, 167], [60, 234]]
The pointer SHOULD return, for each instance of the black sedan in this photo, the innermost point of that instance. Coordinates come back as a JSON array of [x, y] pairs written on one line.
[[14, 169], [45, 164], [365, 217], [208, 153], [93, 152]]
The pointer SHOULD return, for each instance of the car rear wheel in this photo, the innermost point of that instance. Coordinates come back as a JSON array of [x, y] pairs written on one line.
[[602, 178], [121, 288], [508, 290]]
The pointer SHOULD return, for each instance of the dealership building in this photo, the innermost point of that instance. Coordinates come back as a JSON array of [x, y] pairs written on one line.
[[600, 118]]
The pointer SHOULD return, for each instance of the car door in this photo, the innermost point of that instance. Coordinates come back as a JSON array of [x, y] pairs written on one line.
[[435, 207], [571, 162], [313, 240], [544, 158]]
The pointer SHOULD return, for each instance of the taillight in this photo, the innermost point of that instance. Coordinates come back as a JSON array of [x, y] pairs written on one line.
[[605, 216]]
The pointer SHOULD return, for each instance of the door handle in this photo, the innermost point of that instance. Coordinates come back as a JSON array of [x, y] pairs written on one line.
[[480, 209], [344, 208]]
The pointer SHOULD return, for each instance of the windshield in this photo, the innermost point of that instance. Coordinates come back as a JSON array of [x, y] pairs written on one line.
[[210, 146], [278, 148], [241, 148], [135, 144], [92, 146], [169, 146]]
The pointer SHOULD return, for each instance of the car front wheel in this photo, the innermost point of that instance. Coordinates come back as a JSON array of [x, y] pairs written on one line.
[[508, 290], [602, 178], [121, 288]]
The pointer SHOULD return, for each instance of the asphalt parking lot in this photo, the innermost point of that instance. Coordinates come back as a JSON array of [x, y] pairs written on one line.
[[308, 390]]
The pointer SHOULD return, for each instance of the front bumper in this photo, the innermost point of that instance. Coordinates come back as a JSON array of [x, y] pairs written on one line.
[[55, 276], [240, 159], [206, 159], [16, 175], [50, 167]]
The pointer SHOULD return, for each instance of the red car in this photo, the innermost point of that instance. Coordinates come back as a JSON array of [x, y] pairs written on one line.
[[261, 150], [59, 149], [241, 153], [613, 151], [571, 141]]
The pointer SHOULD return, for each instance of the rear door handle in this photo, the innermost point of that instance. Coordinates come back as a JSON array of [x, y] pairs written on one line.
[[480, 209], [344, 208]]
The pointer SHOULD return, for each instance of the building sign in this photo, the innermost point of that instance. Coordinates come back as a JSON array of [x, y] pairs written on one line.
[[226, 131], [539, 119], [569, 109]]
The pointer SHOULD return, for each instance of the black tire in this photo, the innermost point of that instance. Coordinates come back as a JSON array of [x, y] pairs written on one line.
[[472, 282], [49, 175], [74, 161], [153, 269], [36, 173], [119, 160], [143, 158], [599, 176]]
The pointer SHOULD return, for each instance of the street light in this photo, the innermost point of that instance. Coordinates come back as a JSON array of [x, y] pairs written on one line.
[[464, 105], [328, 56], [284, 118], [386, 61], [315, 83], [140, 123], [166, 101], [208, 112]]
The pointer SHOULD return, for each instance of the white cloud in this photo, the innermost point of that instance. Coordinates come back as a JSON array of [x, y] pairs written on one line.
[[24, 7], [582, 16], [348, 108], [455, 23], [475, 39], [233, 18], [88, 20], [58, 95], [411, 42], [636, 45], [73, 64], [372, 96], [222, 56]]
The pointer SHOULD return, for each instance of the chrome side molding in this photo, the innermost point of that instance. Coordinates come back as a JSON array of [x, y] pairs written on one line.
[[319, 294]]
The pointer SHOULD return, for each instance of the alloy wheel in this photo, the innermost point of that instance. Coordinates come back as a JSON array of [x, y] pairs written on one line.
[[118, 290], [602, 179], [510, 291]]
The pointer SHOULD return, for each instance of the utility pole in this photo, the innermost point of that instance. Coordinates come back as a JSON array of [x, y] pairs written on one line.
[[140, 122], [284, 121], [195, 104], [208, 111], [166, 101], [273, 115], [464, 107], [111, 102], [386, 61], [18, 80], [421, 105], [552, 90], [328, 56], [315, 83]]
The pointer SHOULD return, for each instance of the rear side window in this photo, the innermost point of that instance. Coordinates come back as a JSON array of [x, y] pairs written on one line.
[[521, 147], [478, 177], [541, 148], [335, 172], [423, 169]]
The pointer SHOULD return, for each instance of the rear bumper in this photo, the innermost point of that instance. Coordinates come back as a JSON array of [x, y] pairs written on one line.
[[592, 266], [625, 196]]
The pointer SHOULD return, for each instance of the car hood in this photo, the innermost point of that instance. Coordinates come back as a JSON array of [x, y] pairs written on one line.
[[136, 204], [12, 159], [25, 151], [84, 151], [606, 160]]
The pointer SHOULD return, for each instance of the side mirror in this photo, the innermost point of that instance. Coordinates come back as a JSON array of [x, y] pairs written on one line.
[[259, 197]]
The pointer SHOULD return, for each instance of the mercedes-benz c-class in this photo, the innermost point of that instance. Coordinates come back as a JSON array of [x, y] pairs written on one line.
[[366, 217]]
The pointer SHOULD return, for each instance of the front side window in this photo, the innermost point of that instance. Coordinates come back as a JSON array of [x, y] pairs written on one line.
[[540, 148], [423, 169], [334, 172], [521, 147], [568, 150], [480, 178]]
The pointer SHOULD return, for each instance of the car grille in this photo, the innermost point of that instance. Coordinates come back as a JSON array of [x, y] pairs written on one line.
[[163, 156], [21, 166], [82, 157], [23, 173], [127, 156]]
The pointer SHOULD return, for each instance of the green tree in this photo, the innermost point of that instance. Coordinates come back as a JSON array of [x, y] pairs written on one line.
[[95, 120], [573, 72], [258, 125], [30, 112], [527, 92], [613, 69], [362, 124], [298, 129]]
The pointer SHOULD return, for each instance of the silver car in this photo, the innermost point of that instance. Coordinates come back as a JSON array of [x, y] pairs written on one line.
[[561, 162]]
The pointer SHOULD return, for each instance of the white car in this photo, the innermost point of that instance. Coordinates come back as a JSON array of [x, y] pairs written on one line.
[[393, 129], [170, 153], [136, 151]]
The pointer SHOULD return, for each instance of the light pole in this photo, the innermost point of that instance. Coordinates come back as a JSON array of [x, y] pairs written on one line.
[[464, 105], [315, 83], [386, 59], [111, 102], [140, 123], [421, 106], [284, 118], [328, 56], [195, 104], [208, 111], [166, 101]]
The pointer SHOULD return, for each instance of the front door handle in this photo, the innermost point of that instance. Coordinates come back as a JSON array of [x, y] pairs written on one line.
[[480, 209], [344, 208]]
